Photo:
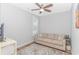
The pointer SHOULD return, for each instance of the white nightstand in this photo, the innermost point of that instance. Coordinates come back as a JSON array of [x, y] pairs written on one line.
[[8, 47]]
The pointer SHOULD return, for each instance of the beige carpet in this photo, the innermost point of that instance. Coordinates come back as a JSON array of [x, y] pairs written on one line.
[[36, 49]]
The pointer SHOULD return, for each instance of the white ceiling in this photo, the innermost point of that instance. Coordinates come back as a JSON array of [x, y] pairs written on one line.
[[57, 7]]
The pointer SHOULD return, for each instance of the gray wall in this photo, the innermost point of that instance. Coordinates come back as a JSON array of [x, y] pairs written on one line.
[[35, 27], [0, 13], [59, 23], [18, 23], [75, 31]]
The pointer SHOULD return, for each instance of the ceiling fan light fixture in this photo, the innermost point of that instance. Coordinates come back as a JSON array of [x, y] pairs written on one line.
[[41, 10]]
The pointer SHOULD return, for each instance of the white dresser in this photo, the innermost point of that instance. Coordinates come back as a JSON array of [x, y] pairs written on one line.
[[8, 47]]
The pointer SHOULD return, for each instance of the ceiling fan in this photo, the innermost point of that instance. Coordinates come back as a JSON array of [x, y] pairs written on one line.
[[42, 7]]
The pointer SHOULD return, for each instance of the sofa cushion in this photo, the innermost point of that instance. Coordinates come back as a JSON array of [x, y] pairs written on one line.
[[58, 42], [52, 36], [61, 47], [43, 35]]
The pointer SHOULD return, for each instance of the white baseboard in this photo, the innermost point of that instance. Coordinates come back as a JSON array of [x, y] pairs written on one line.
[[31, 41]]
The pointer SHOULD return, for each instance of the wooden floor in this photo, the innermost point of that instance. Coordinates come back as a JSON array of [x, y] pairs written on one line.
[[37, 49]]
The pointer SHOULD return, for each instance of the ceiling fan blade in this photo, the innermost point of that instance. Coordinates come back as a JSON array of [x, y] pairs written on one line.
[[38, 5], [42, 5], [47, 10], [35, 9], [47, 6]]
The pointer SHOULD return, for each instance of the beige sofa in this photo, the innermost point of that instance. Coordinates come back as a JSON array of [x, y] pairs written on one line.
[[51, 40]]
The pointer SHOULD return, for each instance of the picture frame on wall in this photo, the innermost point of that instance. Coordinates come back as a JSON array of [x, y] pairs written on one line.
[[77, 19]]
